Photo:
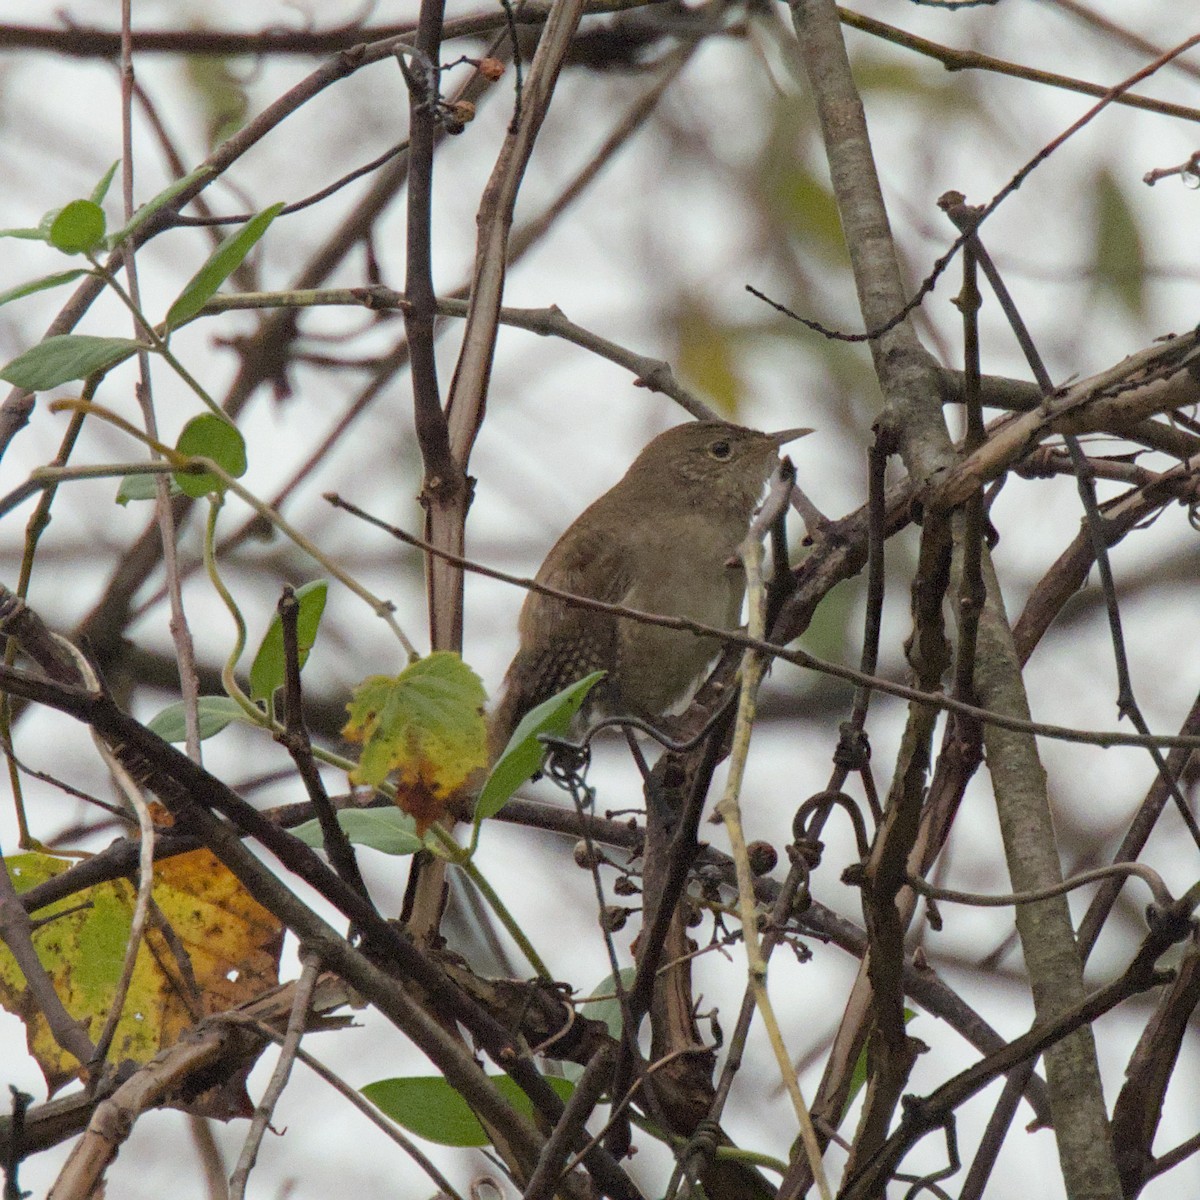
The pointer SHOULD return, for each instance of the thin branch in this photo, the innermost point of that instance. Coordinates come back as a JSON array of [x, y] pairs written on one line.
[[296, 206], [931, 1112], [354, 1097], [800, 658], [729, 810], [1111, 30], [141, 908], [88, 41], [301, 1000], [967, 60], [654, 374], [442, 474], [180, 633], [546, 1178], [445, 524], [899, 314], [296, 741]]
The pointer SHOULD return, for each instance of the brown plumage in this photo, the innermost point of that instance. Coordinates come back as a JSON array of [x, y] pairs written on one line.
[[663, 540]]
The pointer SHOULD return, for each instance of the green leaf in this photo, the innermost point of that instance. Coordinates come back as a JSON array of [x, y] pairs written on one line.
[[1119, 254], [153, 205], [210, 436], [385, 829], [858, 1077], [429, 1107], [141, 487], [78, 227], [41, 285], [522, 757], [101, 188], [608, 1010], [223, 261], [64, 357], [214, 713], [269, 670]]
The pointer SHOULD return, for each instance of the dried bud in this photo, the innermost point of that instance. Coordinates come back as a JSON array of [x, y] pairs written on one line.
[[462, 111], [762, 856], [613, 917], [490, 68], [624, 886], [586, 856]]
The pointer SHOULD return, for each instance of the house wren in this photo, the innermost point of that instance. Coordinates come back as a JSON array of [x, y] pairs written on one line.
[[664, 540]]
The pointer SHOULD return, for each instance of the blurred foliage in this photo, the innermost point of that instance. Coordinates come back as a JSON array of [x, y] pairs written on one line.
[[220, 96], [797, 196], [708, 355], [1119, 256]]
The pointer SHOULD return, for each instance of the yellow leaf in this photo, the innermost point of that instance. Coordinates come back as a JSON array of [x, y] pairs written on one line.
[[427, 725], [210, 947], [708, 354]]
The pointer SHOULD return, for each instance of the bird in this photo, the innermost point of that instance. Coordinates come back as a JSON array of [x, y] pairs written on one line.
[[662, 540]]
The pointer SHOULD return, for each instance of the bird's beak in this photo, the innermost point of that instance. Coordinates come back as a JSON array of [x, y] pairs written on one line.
[[788, 435]]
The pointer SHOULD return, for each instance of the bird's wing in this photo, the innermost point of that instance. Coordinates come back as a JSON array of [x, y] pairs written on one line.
[[562, 642]]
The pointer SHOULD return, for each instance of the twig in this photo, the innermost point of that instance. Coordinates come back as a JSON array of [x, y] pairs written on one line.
[[544, 1182], [652, 373], [1113, 31], [180, 633], [970, 586], [898, 315], [468, 390], [965, 60], [356, 1098], [799, 658], [1127, 705], [443, 476], [89, 41], [728, 809], [296, 206], [279, 1077], [141, 909], [296, 741]]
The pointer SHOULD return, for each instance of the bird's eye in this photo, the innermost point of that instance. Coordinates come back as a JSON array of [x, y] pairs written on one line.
[[721, 450]]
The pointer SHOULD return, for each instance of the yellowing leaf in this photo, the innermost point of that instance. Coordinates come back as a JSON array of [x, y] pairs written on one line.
[[708, 355], [798, 199], [219, 95], [427, 725], [217, 949], [1119, 251]]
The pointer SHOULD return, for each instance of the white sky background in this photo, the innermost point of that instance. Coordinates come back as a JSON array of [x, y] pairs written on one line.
[[661, 228]]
